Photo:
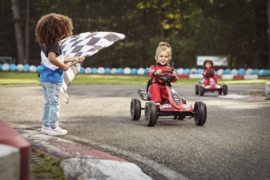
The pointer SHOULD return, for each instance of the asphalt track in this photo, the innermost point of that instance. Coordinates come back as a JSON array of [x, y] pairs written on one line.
[[233, 144]]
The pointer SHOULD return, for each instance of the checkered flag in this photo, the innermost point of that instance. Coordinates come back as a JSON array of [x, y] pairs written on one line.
[[84, 45]]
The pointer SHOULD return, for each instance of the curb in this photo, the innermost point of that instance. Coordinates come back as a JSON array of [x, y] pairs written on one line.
[[84, 162]]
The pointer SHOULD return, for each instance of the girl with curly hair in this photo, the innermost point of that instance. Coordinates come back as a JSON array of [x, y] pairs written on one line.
[[51, 28]]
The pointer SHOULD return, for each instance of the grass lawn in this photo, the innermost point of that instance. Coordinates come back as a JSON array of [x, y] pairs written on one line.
[[21, 78]]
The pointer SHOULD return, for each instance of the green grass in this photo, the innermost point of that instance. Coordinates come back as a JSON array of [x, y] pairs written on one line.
[[49, 168], [21, 78], [14, 78]]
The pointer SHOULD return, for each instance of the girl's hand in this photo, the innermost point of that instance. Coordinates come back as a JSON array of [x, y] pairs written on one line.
[[204, 73], [80, 58], [65, 68], [174, 73], [158, 72]]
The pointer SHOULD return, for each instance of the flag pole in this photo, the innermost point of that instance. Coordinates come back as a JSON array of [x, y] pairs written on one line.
[[74, 63]]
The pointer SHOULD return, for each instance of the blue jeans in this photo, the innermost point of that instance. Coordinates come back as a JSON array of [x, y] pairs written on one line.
[[51, 92]]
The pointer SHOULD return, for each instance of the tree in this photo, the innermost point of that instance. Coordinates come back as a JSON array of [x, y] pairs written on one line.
[[18, 33], [192, 27], [268, 13], [27, 32]]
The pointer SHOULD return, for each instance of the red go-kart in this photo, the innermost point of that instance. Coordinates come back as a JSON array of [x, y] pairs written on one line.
[[201, 89], [175, 106]]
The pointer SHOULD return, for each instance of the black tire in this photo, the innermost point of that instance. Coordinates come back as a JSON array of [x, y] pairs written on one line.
[[151, 113], [197, 89], [135, 109], [201, 91], [220, 90], [201, 113], [181, 117], [225, 89]]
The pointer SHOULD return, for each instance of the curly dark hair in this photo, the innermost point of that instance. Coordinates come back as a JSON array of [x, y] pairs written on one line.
[[211, 62], [52, 27]]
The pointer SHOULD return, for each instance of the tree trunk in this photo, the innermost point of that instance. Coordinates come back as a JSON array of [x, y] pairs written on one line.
[[160, 20], [27, 32], [268, 13], [18, 33]]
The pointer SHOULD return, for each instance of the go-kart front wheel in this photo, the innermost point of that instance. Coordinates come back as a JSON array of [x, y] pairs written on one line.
[[200, 113], [135, 109], [151, 113], [225, 89], [197, 89]]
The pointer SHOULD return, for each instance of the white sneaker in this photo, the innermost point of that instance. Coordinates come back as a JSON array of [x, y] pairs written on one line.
[[158, 104], [57, 131], [44, 130]]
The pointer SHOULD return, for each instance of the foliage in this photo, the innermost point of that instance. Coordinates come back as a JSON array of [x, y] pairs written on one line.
[[192, 27]]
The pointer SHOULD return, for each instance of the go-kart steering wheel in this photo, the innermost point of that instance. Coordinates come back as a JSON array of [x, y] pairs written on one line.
[[165, 78], [209, 73]]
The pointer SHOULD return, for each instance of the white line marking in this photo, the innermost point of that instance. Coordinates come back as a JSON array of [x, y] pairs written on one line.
[[233, 96]]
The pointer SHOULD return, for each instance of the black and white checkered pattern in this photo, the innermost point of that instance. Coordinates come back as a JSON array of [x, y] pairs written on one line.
[[84, 45], [87, 44]]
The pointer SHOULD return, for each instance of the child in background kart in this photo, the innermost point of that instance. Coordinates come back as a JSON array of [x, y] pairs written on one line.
[[208, 65], [158, 91]]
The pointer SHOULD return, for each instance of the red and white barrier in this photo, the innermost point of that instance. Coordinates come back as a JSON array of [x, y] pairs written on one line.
[[224, 76], [13, 142], [9, 162]]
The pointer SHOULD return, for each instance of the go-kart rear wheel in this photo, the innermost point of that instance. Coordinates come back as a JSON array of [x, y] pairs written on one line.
[[201, 91], [135, 109], [201, 113], [220, 90], [225, 89], [196, 89], [151, 113]]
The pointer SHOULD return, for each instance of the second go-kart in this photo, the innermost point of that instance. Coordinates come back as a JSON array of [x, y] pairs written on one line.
[[175, 106], [200, 88]]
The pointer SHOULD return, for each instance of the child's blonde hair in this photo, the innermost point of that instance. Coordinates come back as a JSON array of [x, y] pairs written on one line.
[[164, 46], [52, 27]]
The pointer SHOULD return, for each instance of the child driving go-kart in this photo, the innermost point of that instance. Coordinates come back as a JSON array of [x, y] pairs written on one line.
[[157, 90], [165, 101], [209, 82]]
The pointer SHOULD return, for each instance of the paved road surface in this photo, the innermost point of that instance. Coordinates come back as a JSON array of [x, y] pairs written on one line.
[[233, 144]]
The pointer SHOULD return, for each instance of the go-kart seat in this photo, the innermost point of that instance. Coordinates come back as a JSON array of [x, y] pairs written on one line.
[[147, 87]]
